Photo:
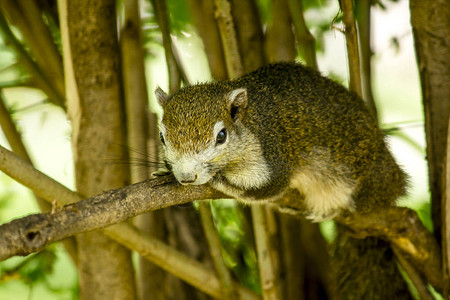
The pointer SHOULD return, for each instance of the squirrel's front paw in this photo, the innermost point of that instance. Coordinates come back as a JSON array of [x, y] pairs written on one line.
[[319, 217], [161, 173]]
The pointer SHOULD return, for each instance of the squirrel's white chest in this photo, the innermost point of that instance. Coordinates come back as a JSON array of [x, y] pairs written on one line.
[[325, 195]]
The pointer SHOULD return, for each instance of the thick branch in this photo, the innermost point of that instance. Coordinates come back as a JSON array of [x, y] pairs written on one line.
[[34, 232]]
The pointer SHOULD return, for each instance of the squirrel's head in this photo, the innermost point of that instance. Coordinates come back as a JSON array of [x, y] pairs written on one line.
[[200, 129]]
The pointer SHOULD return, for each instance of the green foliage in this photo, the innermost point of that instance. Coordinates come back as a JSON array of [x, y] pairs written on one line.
[[180, 17], [36, 271], [238, 250]]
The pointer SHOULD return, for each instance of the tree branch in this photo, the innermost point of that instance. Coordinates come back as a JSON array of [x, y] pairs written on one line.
[[39, 76], [27, 17], [306, 41], [432, 44], [403, 228], [175, 262], [280, 40], [203, 16], [163, 21], [351, 36], [229, 40], [446, 219], [249, 33], [223, 273], [34, 232], [363, 8]]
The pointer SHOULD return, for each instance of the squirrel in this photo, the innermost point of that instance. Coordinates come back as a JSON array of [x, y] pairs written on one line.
[[283, 126]]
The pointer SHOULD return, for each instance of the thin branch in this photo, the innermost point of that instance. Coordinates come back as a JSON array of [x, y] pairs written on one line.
[[351, 36], [305, 39], [173, 261], [280, 40], [215, 249], [140, 131], [163, 22], [446, 219], [41, 43], [267, 269], [134, 87], [39, 77], [203, 16], [363, 8], [229, 39], [414, 276]]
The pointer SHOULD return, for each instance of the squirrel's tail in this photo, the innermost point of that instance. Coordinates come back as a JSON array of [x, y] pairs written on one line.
[[366, 269]]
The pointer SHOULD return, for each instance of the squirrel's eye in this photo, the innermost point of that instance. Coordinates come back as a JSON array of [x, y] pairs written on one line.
[[161, 137], [221, 137]]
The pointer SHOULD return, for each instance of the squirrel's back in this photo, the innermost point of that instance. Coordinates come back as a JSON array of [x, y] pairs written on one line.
[[323, 133]]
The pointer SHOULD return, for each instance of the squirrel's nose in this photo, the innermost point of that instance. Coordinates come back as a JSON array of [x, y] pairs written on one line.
[[187, 178]]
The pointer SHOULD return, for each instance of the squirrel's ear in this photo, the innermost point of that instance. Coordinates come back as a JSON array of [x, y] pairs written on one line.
[[161, 96], [237, 101], [238, 97]]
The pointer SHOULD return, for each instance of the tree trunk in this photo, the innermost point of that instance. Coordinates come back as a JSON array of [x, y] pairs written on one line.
[[92, 68], [431, 28]]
